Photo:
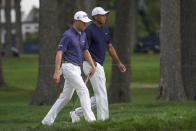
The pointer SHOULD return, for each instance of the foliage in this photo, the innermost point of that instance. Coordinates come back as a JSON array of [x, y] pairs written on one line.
[[32, 37], [152, 15], [35, 14]]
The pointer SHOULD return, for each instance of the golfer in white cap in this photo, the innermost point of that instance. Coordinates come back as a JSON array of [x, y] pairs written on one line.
[[72, 46], [98, 40]]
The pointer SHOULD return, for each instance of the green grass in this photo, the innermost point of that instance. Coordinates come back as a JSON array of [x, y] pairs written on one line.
[[145, 69], [21, 72], [144, 112]]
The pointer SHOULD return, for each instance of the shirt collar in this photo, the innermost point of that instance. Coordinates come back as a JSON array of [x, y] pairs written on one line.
[[97, 26], [75, 32]]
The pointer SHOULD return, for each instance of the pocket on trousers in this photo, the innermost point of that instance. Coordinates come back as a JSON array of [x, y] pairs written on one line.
[[86, 67]]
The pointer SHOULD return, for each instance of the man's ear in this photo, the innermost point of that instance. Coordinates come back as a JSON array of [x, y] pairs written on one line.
[[94, 17]]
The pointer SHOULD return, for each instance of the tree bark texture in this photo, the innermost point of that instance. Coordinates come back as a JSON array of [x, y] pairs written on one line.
[[47, 91], [171, 82], [18, 26], [188, 48], [119, 88], [8, 25]]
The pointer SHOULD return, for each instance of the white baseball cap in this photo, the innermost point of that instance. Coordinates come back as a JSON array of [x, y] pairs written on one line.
[[99, 11], [81, 15]]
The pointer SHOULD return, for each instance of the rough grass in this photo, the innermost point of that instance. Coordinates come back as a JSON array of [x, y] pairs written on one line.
[[143, 113]]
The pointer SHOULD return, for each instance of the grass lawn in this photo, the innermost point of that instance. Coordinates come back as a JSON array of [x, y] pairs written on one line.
[[145, 69], [144, 112]]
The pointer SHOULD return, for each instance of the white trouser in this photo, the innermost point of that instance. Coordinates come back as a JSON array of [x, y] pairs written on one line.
[[98, 82], [73, 80]]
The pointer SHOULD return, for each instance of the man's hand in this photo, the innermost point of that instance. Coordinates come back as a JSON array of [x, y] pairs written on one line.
[[91, 73], [88, 57], [56, 77], [121, 67], [115, 57]]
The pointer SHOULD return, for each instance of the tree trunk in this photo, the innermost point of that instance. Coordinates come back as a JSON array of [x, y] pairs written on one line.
[[47, 91], [103, 3], [119, 88], [171, 83], [19, 43], [66, 11], [188, 34], [2, 83], [8, 52], [88, 6], [134, 7]]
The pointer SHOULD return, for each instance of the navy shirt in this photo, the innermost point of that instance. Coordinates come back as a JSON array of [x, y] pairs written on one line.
[[72, 44], [98, 38]]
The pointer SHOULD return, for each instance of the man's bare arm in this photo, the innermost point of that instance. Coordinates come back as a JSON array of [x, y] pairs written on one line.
[[115, 57], [58, 59]]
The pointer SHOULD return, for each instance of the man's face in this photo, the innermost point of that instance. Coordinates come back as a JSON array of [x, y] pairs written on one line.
[[100, 18], [81, 25]]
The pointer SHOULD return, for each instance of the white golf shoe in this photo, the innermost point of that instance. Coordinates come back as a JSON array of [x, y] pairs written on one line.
[[46, 123], [74, 117]]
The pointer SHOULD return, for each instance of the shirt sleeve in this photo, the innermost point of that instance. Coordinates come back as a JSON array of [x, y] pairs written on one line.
[[86, 44], [109, 40], [63, 44]]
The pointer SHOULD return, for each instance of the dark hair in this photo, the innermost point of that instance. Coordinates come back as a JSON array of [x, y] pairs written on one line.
[[93, 17]]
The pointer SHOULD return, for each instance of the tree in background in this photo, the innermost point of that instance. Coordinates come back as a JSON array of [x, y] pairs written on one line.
[[148, 17], [119, 88], [188, 47], [134, 28], [66, 11], [35, 13], [171, 81], [103, 3], [8, 52], [2, 83], [47, 91], [143, 11], [18, 26], [178, 56], [88, 6]]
